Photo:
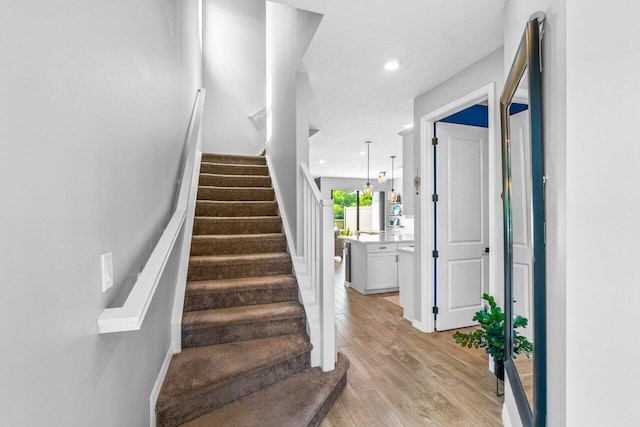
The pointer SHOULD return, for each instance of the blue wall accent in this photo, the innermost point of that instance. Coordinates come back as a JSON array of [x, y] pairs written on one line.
[[478, 115], [516, 108]]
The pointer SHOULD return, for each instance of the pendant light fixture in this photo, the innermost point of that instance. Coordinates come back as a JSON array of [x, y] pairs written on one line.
[[394, 196], [382, 177], [368, 189]]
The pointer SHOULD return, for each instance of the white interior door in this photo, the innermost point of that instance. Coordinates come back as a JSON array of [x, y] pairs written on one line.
[[462, 223], [522, 219]]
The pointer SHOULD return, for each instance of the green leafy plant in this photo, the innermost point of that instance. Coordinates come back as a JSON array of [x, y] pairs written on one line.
[[490, 335]]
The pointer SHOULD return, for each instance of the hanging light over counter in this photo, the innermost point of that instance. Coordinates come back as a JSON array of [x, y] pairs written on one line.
[[368, 189]]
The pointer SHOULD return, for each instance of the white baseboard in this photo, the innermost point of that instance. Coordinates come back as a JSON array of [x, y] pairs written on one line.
[[156, 387], [421, 326], [506, 421]]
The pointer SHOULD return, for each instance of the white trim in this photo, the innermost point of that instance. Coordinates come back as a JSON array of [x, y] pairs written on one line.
[[283, 214], [421, 326], [130, 316], [506, 421], [181, 282], [426, 214], [155, 392]]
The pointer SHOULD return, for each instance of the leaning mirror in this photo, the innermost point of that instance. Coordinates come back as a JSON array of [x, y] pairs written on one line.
[[524, 228]]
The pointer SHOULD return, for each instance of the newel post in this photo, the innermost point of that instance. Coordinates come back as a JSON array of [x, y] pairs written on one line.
[[327, 311]]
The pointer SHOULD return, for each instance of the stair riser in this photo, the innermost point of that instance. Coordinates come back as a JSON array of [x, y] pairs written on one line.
[[233, 270], [212, 300], [234, 246], [328, 404], [230, 209], [233, 159], [235, 194], [232, 333], [243, 386], [240, 226], [234, 169], [234, 181]]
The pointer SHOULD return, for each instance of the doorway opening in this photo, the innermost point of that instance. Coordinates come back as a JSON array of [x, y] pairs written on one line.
[[426, 242], [461, 218]]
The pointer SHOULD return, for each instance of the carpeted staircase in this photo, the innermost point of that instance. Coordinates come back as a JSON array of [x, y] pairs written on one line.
[[246, 356]]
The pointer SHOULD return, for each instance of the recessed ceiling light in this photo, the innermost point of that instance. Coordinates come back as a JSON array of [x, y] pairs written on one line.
[[392, 64], [321, 161], [408, 126], [362, 153]]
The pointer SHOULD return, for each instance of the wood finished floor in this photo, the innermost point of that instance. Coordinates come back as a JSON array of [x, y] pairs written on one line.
[[400, 376]]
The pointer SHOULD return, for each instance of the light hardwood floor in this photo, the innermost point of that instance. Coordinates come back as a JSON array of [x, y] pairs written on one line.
[[400, 376]]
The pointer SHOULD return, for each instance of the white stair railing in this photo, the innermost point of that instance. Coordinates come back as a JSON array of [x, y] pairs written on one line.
[[315, 270]]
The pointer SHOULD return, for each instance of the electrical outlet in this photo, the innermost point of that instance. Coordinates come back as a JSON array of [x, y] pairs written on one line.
[[106, 261]]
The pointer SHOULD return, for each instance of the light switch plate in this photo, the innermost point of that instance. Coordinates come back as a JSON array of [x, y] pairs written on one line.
[[106, 261]]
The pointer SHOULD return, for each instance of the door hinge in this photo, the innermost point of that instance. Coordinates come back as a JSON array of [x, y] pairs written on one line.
[[396, 258], [434, 198], [435, 254], [435, 310], [434, 141]]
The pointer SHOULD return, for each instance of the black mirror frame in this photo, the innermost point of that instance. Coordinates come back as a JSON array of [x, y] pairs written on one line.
[[527, 56]]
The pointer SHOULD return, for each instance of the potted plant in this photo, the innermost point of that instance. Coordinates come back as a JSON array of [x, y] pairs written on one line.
[[490, 335]]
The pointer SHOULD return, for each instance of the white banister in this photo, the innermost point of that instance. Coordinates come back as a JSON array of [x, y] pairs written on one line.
[[318, 264], [130, 316]]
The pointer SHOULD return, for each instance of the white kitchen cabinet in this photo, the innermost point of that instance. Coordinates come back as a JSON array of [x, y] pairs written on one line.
[[382, 272], [373, 262]]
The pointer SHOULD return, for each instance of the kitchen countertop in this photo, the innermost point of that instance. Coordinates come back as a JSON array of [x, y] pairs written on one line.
[[390, 237], [410, 250]]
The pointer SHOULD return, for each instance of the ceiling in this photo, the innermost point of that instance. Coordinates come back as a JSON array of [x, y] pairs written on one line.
[[354, 99]]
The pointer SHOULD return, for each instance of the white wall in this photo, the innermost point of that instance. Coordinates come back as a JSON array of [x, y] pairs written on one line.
[[96, 98], [554, 116], [602, 152], [289, 32], [234, 73], [472, 78], [409, 172]]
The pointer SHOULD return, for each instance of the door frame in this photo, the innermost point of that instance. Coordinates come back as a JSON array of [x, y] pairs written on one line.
[[424, 245]]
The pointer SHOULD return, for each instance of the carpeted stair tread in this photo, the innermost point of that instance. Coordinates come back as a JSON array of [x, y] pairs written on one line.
[[237, 225], [234, 159], [302, 399], [218, 326], [229, 244], [218, 180], [231, 169], [209, 294], [213, 267], [241, 315], [231, 208], [245, 283], [235, 193], [197, 371]]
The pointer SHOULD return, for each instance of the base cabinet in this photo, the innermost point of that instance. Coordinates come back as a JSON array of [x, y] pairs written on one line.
[[374, 266], [382, 270]]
